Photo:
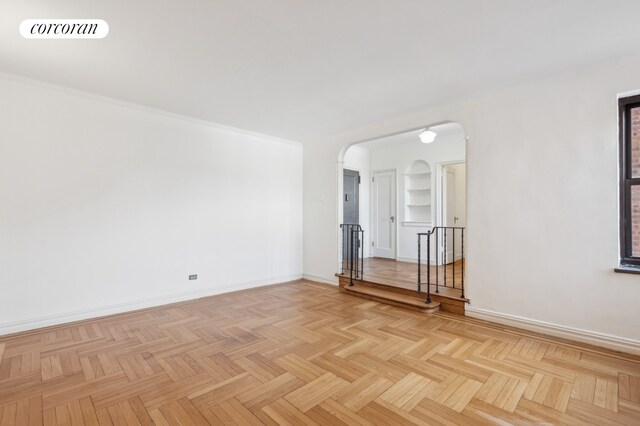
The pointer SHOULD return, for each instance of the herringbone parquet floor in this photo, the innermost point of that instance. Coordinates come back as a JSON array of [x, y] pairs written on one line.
[[303, 353]]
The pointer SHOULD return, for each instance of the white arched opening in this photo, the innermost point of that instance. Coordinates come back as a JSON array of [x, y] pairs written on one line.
[[418, 169]]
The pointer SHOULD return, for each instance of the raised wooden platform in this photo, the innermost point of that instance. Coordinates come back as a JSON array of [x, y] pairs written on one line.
[[392, 298], [392, 278]]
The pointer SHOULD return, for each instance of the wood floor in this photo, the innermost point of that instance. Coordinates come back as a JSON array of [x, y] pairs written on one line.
[[405, 275], [304, 353]]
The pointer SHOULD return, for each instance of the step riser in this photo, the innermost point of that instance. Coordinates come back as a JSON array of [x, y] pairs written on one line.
[[446, 304], [389, 302]]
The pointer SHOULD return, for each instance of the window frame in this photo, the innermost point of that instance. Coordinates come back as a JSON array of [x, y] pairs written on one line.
[[625, 105]]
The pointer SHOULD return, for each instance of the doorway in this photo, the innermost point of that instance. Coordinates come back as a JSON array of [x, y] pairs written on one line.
[[383, 214], [351, 207], [452, 207], [351, 197], [400, 196]]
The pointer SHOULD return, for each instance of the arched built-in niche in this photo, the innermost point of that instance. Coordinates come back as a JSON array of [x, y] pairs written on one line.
[[417, 193]]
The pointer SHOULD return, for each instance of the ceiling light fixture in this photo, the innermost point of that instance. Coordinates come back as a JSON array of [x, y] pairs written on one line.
[[427, 136]]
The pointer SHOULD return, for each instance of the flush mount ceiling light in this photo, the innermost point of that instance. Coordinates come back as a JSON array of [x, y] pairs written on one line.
[[427, 136]]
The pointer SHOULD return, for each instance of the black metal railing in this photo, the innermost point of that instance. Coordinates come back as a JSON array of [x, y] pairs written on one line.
[[352, 251], [441, 236]]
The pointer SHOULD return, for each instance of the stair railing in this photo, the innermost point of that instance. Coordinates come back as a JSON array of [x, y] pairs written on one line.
[[442, 233], [352, 251]]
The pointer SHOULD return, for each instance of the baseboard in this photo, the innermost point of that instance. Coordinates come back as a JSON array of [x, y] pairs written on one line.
[[413, 260], [424, 261], [617, 343], [47, 321], [320, 279]]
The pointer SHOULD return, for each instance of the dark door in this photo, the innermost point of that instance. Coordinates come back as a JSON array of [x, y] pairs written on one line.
[[351, 215], [351, 197]]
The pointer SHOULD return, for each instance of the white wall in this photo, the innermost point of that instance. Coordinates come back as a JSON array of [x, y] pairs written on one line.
[[541, 205], [106, 207], [357, 158], [400, 157]]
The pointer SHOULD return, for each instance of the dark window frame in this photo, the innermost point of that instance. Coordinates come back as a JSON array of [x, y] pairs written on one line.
[[625, 105]]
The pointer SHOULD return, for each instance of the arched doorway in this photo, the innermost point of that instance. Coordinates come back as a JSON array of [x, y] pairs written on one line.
[[410, 183]]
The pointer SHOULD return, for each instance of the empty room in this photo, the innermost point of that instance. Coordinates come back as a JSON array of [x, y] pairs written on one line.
[[319, 212]]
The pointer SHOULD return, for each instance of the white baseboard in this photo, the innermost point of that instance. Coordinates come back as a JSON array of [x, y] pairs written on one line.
[[30, 324], [617, 343], [413, 260], [320, 279], [424, 261]]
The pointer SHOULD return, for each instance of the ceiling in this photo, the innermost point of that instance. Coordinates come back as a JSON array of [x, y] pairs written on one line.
[[307, 69]]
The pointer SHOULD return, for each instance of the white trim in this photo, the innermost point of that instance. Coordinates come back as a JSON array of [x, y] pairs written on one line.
[[439, 166], [599, 339], [67, 317], [70, 91], [628, 94], [394, 169], [320, 279], [354, 169], [339, 212], [358, 148], [457, 257], [417, 224], [411, 260]]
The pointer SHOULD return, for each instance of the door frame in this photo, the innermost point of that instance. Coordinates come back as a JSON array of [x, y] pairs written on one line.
[[439, 167], [340, 209], [439, 210], [352, 169], [395, 208]]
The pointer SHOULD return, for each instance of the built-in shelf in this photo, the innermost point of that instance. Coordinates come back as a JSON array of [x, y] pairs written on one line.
[[417, 196]]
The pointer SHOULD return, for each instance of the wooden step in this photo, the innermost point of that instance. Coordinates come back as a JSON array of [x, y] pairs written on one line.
[[448, 302], [391, 298]]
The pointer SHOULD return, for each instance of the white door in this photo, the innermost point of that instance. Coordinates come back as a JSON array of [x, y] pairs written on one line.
[[460, 217], [383, 203], [448, 210], [453, 208]]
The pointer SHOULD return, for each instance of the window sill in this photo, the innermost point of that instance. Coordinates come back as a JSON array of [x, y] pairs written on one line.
[[627, 269]]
